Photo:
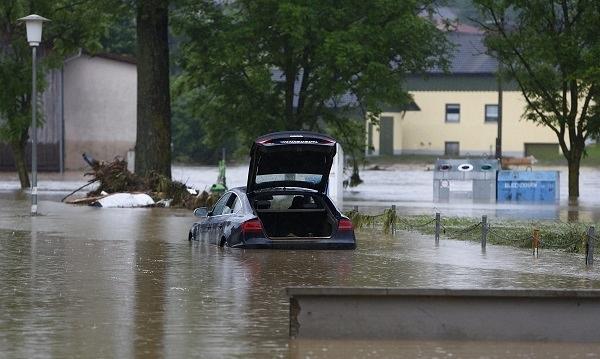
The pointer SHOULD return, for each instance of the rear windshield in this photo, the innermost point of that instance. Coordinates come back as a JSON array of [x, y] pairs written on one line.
[[302, 177], [292, 168]]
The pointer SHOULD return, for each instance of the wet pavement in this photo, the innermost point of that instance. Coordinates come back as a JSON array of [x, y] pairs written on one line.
[[84, 281]]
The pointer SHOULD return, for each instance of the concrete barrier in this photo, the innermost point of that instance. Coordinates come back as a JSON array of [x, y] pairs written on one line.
[[445, 314]]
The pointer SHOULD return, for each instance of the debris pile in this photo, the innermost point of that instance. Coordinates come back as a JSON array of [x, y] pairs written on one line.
[[113, 177]]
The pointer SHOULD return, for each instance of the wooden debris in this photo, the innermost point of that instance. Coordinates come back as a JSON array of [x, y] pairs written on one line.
[[113, 177]]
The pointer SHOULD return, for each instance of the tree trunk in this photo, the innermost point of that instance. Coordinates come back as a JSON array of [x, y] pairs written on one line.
[[574, 163], [18, 149], [153, 142], [355, 179]]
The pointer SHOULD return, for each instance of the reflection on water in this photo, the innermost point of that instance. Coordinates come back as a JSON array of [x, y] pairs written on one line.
[[150, 276], [81, 281]]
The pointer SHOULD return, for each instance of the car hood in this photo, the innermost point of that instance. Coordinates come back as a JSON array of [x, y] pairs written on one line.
[[291, 159]]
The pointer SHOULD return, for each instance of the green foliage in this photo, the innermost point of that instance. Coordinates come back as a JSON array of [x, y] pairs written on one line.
[[257, 66], [120, 36], [551, 49], [190, 143], [350, 133], [75, 24]]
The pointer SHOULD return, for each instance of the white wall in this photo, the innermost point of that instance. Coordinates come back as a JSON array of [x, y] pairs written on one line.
[[100, 102]]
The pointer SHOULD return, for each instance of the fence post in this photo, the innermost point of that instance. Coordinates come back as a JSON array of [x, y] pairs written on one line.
[[355, 208], [484, 231], [535, 242], [393, 219], [589, 247], [437, 228]]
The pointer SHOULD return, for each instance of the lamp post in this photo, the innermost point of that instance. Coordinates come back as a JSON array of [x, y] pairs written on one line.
[[33, 23]]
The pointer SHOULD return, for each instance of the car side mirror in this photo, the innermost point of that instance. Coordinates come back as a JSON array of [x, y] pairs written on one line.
[[201, 212]]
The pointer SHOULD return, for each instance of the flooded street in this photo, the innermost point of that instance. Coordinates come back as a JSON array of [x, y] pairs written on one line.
[[81, 281], [409, 187]]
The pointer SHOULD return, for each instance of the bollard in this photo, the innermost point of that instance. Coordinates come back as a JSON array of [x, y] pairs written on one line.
[[484, 231], [437, 228], [535, 242], [589, 246], [355, 209], [394, 219]]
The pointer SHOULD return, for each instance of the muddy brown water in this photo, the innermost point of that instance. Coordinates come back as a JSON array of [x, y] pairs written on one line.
[[91, 282]]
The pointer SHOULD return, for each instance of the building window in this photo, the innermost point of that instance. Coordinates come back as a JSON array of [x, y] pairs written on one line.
[[451, 149], [452, 112], [491, 113]]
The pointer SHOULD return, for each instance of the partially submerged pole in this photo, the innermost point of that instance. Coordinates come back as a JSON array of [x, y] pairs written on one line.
[[535, 242], [34, 189], [393, 219], [437, 228], [484, 231], [589, 248]]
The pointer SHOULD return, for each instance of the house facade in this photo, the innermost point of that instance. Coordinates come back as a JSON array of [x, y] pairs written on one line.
[[89, 105], [456, 113]]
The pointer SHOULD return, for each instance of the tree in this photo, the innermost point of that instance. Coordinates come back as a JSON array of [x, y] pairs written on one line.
[[551, 49], [153, 143], [119, 38], [76, 24], [266, 65], [188, 128], [15, 97]]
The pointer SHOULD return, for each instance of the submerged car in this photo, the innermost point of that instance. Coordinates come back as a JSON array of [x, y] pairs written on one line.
[[284, 204]]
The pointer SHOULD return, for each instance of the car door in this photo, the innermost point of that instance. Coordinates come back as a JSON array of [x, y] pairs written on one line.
[[222, 227], [214, 223]]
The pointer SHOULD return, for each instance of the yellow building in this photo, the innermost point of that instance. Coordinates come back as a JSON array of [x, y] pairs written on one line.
[[456, 113]]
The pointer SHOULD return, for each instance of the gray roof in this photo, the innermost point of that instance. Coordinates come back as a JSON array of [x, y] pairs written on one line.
[[469, 55]]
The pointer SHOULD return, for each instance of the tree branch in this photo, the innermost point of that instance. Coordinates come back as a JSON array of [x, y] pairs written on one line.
[[581, 126], [500, 27], [531, 105], [306, 72]]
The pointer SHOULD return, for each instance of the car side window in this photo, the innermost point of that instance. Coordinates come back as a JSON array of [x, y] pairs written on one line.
[[220, 205], [237, 205]]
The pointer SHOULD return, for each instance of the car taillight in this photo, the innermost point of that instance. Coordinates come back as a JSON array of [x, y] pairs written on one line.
[[252, 226], [345, 225]]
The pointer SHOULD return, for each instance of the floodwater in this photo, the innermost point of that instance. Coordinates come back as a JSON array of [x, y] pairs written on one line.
[[409, 187], [93, 282]]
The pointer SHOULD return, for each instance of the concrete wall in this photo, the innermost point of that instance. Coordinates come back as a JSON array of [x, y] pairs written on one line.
[[445, 314], [425, 131], [99, 109]]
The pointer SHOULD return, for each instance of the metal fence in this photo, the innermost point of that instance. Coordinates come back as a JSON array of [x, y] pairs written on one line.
[[481, 230]]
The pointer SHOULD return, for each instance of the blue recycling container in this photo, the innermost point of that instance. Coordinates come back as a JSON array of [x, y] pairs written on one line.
[[528, 186]]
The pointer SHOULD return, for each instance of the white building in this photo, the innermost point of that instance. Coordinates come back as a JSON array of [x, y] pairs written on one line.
[[89, 106]]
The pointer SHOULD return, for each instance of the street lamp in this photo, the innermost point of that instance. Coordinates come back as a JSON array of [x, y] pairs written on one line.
[[33, 23]]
